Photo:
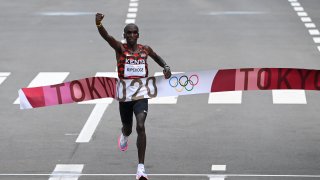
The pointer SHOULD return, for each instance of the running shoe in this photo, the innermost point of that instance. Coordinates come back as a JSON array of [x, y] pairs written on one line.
[[122, 143], [141, 174]]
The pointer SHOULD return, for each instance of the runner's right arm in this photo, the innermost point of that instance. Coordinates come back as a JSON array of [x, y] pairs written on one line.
[[116, 45]]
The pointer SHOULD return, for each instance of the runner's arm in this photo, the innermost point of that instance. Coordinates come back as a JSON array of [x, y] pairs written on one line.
[[160, 61], [116, 45]]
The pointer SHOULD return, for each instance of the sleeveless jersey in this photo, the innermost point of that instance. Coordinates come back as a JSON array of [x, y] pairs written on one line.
[[132, 65]]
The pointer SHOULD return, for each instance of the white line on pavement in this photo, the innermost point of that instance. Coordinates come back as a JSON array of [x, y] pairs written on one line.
[[128, 21], [131, 15], [316, 39], [231, 97], [302, 14], [45, 79], [289, 97], [310, 25], [134, 4], [295, 4], [66, 172], [3, 76], [66, 13], [314, 32], [298, 8], [218, 167], [92, 123], [5, 73], [96, 114], [133, 10], [306, 19], [170, 175]]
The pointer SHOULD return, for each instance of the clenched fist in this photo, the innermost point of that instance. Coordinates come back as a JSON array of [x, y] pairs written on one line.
[[99, 17]]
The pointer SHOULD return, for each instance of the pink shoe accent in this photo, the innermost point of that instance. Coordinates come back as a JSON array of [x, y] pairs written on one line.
[[122, 149]]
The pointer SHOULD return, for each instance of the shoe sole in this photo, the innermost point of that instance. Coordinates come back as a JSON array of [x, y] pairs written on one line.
[[124, 149], [142, 178]]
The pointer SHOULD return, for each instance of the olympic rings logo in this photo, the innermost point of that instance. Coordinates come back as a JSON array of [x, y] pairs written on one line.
[[184, 82]]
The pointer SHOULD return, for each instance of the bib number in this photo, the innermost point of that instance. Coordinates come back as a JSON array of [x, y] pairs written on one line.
[[134, 70]]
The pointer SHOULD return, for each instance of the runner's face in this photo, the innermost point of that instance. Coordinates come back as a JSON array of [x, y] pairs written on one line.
[[132, 35]]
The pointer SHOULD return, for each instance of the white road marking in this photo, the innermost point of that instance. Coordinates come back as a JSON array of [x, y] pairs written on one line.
[[131, 15], [316, 39], [306, 19], [298, 8], [295, 4], [216, 177], [218, 167], [302, 14], [234, 13], [92, 123], [134, 4], [231, 97], [128, 21], [66, 172], [163, 100], [314, 32], [66, 13], [310, 25], [289, 97], [307, 22], [169, 175], [319, 48], [133, 10], [5, 73], [96, 114], [3, 76], [45, 79]]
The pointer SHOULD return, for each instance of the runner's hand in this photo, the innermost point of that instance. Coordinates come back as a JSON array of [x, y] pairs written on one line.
[[99, 17], [167, 72]]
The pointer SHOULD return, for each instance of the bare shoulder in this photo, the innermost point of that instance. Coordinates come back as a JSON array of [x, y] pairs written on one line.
[[148, 49]]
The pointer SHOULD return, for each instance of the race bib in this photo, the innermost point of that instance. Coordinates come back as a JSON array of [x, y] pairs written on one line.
[[134, 70]]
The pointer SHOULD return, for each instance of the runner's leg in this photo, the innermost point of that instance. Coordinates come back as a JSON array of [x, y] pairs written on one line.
[[141, 139], [126, 114], [141, 109]]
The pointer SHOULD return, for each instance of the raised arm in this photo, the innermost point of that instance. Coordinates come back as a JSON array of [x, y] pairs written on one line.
[[160, 61], [116, 45]]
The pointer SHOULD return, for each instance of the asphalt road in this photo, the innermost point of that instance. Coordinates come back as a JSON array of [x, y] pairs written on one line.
[[255, 139]]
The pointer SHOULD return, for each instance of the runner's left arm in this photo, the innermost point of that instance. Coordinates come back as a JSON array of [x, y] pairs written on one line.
[[160, 61]]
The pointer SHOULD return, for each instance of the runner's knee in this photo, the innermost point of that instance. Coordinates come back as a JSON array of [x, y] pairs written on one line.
[[140, 128]]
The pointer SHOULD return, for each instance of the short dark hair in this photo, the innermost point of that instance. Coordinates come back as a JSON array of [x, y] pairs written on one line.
[[131, 24]]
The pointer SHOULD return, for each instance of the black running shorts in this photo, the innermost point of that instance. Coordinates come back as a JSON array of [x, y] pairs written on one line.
[[128, 108]]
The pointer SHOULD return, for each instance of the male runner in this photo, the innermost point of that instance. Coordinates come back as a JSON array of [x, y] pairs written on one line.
[[136, 53]]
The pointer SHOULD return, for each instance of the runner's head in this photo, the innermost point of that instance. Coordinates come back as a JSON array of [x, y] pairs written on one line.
[[131, 33]]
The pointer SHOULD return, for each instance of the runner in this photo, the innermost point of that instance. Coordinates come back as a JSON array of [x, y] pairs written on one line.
[[132, 63]]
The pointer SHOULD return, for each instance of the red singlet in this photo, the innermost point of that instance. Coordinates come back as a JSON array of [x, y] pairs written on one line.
[[132, 65]]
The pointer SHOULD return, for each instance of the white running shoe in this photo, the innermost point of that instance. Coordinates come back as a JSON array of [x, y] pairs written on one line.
[[123, 142], [141, 173]]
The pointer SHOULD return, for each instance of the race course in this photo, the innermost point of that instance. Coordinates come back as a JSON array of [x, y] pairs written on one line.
[[241, 135]]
